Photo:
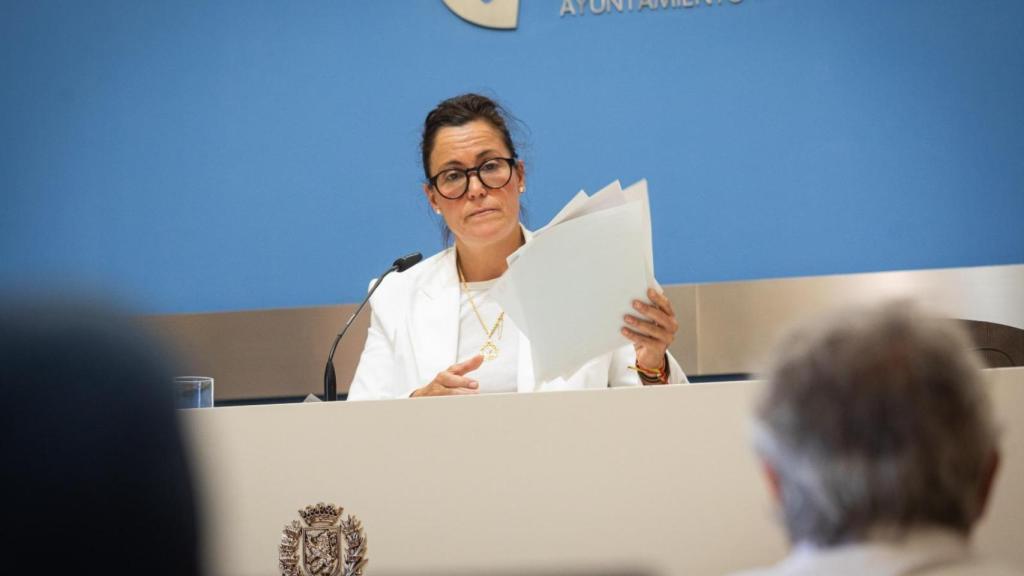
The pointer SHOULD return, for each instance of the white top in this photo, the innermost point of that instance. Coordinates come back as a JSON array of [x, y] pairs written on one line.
[[498, 375], [922, 552]]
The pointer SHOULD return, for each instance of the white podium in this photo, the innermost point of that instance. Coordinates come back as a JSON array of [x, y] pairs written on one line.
[[656, 481]]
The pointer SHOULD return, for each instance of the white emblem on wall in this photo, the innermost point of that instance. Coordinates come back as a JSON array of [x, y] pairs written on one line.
[[500, 14]]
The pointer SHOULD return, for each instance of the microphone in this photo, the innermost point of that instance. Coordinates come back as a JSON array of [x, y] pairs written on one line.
[[405, 262], [330, 378]]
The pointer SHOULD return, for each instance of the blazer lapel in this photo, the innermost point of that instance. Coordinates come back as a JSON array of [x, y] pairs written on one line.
[[435, 319]]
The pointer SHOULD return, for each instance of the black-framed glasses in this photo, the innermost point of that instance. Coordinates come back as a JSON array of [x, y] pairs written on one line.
[[493, 173]]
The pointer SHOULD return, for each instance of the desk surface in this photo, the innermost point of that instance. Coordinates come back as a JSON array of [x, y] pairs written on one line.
[[641, 481]]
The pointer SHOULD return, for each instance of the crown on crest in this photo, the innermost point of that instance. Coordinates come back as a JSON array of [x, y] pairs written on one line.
[[321, 514]]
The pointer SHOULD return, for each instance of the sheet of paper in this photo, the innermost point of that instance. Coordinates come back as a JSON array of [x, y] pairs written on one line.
[[610, 196], [504, 292], [577, 202], [570, 289], [638, 193], [581, 204]]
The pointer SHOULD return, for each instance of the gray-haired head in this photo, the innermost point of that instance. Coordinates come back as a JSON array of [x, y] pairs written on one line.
[[874, 419]]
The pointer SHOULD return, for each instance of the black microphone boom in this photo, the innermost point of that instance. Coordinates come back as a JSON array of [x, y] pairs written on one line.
[[330, 378]]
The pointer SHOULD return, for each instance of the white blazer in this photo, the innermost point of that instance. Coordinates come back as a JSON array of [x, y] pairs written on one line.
[[414, 332]]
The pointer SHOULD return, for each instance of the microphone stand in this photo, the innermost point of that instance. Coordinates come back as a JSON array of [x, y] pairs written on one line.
[[330, 378]]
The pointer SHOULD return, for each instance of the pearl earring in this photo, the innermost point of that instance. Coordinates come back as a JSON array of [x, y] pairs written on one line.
[[522, 189]]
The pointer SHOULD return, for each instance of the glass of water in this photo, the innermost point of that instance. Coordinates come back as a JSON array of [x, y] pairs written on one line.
[[193, 391]]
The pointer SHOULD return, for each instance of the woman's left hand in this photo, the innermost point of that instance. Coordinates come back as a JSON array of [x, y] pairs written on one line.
[[652, 331]]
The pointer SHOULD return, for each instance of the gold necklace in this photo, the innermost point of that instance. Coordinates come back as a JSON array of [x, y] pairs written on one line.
[[489, 349]]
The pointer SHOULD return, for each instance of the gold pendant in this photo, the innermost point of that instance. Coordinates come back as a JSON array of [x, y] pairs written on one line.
[[489, 350]]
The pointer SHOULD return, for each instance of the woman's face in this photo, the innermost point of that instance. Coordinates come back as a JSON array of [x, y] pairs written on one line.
[[483, 215]]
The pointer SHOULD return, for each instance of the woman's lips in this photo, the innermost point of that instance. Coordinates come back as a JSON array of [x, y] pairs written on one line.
[[483, 212]]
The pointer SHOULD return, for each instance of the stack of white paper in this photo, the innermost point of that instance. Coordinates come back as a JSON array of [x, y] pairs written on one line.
[[569, 287]]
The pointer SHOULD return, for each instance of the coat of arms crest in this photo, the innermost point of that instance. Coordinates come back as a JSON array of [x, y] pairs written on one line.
[[323, 547]]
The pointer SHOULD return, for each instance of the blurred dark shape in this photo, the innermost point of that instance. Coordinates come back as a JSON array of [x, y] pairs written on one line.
[[94, 465]]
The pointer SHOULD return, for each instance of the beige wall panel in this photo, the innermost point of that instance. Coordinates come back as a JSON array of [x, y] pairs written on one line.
[[738, 321], [264, 353], [724, 328]]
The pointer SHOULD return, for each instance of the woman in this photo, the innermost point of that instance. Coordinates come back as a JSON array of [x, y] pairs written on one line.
[[434, 330]]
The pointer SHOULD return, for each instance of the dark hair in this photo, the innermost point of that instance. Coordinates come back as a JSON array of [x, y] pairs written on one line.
[[458, 111], [461, 110]]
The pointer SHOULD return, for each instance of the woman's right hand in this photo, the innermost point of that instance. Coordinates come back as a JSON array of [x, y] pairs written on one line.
[[453, 381]]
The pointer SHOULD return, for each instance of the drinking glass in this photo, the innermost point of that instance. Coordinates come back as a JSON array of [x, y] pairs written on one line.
[[193, 391]]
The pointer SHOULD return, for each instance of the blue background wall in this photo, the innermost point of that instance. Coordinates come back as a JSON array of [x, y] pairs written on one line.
[[200, 156]]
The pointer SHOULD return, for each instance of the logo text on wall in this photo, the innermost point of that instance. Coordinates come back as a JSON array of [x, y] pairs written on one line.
[[598, 7], [504, 14], [500, 14]]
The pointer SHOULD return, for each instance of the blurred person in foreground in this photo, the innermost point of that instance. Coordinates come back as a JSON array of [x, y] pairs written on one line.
[[95, 469], [877, 440]]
